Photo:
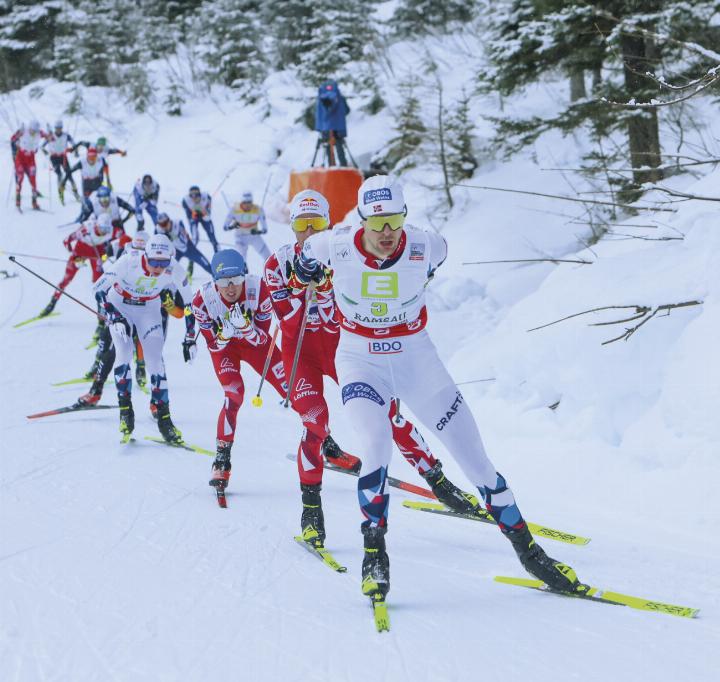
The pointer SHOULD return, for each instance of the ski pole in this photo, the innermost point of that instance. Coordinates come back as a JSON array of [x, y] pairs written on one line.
[[62, 291], [267, 186], [30, 255], [257, 400], [303, 324]]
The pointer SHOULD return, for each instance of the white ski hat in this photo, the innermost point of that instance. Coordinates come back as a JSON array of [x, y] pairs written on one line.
[[309, 201], [139, 241], [34, 126], [379, 195], [159, 247], [247, 197], [104, 223]]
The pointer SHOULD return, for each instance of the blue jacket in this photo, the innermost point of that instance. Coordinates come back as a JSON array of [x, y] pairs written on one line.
[[331, 109]]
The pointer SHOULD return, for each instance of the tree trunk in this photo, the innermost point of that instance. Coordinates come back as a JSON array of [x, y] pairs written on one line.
[[577, 84], [643, 134], [596, 76]]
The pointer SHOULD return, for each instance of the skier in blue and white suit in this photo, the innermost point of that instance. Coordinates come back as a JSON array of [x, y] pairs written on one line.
[[198, 209], [145, 194], [177, 233]]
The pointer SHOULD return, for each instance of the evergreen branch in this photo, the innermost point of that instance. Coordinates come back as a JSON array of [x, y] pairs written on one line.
[[655, 103], [530, 260], [564, 198]]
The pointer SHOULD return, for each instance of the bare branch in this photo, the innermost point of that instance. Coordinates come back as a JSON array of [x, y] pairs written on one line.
[[530, 260], [684, 195], [644, 313], [632, 170], [656, 103], [580, 201]]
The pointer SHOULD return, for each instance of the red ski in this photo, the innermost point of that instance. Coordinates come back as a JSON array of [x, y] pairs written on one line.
[[71, 408]]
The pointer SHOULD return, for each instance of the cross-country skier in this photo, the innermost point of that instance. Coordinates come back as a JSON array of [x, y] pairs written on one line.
[[309, 215], [130, 293], [198, 209], [86, 243], [92, 170], [145, 194], [60, 143], [234, 313], [248, 221], [380, 273], [24, 143], [106, 201], [179, 236]]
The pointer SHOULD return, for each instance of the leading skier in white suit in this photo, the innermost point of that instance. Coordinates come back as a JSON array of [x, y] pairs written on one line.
[[379, 273], [130, 292]]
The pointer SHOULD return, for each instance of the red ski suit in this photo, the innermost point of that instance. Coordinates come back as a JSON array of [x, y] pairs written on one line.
[[226, 355], [317, 359], [24, 145]]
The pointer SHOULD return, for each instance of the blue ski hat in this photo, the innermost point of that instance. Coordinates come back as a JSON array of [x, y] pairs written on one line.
[[228, 263], [103, 192]]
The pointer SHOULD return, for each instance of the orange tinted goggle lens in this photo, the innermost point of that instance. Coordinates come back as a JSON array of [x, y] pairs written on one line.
[[302, 224], [377, 222]]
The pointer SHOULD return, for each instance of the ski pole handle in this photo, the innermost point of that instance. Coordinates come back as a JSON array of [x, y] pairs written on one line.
[[62, 291], [257, 400], [303, 324]]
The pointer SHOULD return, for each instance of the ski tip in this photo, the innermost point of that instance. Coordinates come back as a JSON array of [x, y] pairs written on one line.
[[525, 582], [380, 613]]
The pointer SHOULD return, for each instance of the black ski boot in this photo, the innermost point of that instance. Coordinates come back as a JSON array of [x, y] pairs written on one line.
[[140, 374], [127, 417], [92, 397], [555, 574], [312, 520], [335, 456], [221, 466], [168, 430], [448, 493], [376, 563], [49, 307]]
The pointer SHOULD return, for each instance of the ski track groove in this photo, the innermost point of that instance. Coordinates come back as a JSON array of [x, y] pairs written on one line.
[[127, 532]]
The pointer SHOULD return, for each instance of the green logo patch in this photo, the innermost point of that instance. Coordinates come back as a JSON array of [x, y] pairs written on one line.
[[380, 285]]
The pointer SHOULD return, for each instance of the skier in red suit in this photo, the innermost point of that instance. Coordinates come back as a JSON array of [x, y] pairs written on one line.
[[234, 313]]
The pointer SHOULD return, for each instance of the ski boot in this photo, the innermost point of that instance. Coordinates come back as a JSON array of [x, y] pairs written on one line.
[[168, 430], [90, 374], [35, 204], [555, 574], [448, 493], [61, 195], [153, 411], [376, 563], [221, 466], [96, 335], [49, 307], [76, 194], [127, 417], [140, 374], [335, 456], [92, 397], [312, 520]]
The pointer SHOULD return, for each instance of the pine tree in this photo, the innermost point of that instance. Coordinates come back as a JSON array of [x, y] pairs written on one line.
[[227, 36], [531, 38], [27, 32], [410, 132], [419, 17], [461, 160], [337, 33], [287, 23]]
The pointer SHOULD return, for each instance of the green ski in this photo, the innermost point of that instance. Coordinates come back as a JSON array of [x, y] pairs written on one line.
[[604, 596], [182, 444], [482, 515], [79, 380], [322, 554], [380, 613], [33, 319]]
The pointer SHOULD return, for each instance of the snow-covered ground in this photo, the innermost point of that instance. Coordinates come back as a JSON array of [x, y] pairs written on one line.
[[116, 563]]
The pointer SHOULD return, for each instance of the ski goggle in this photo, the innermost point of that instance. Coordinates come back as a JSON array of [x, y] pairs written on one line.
[[165, 224], [377, 222], [302, 224], [104, 201], [158, 262], [223, 282]]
